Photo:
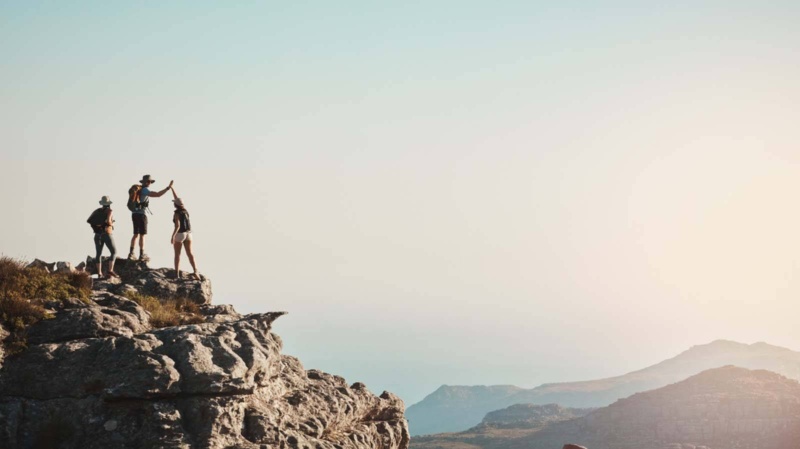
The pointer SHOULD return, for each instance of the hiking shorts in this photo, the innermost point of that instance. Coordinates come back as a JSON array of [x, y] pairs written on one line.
[[182, 237], [139, 224]]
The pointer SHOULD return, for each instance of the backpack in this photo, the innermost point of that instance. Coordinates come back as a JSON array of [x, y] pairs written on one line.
[[184, 224], [98, 220], [133, 197]]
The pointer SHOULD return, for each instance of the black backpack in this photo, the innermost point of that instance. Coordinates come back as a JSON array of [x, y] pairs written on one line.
[[184, 224], [98, 219]]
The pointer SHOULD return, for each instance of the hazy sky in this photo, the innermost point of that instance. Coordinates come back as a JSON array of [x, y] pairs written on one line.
[[439, 192]]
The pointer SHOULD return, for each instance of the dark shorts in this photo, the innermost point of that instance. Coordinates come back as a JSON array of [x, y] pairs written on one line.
[[139, 224]]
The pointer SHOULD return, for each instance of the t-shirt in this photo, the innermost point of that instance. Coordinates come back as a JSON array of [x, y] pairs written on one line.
[[144, 198]]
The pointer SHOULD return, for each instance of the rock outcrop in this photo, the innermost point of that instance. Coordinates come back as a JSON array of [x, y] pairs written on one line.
[[98, 376], [137, 276]]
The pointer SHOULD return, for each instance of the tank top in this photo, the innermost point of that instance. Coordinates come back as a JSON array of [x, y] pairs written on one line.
[[184, 225]]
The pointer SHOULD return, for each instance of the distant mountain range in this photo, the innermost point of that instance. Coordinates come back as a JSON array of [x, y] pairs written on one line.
[[457, 408], [722, 408]]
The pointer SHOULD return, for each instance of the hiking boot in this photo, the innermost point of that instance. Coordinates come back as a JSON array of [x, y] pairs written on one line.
[[144, 257], [112, 274], [130, 256], [196, 276]]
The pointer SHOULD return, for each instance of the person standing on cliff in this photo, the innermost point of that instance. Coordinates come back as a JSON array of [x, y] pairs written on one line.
[[182, 236], [138, 202], [102, 222]]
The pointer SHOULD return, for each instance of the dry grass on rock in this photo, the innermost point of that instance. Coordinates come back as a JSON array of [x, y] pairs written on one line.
[[24, 292], [166, 312]]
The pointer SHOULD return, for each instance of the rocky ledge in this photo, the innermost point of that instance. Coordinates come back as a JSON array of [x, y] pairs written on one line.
[[97, 375]]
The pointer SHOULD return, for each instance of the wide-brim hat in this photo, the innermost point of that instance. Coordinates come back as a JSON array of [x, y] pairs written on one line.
[[147, 178], [105, 201]]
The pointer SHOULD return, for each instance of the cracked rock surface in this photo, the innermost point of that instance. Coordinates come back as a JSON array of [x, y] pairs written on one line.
[[136, 275], [98, 376]]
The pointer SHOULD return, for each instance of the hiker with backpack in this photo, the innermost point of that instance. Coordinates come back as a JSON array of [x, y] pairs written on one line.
[[102, 223], [138, 203], [182, 236]]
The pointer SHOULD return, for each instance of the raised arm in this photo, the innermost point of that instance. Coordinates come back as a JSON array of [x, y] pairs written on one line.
[[161, 192]]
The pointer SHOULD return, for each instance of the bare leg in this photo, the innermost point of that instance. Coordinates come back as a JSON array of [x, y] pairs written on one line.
[[188, 245], [133, 243], [141, 243], [177, 247]]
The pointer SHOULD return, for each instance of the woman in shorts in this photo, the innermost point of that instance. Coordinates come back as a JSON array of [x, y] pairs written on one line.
[[182, 236]]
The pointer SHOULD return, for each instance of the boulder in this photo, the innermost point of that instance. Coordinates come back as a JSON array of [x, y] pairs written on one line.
[[130, 269], [161, 283], [64, 267], [136, 276], [107, 284], [221, 313], [107, 315], [37, 263], [90, 264]]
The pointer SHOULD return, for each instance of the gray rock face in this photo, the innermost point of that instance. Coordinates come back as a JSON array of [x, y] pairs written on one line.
[[136, 275], [107, 315], [219, 313], [97, 376], [158, 283]]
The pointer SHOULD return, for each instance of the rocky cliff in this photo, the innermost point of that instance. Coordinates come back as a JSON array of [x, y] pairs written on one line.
[[97, 374], [456, 408]]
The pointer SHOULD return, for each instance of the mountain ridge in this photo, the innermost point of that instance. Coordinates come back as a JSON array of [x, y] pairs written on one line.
[[727, 407], [430, 416]]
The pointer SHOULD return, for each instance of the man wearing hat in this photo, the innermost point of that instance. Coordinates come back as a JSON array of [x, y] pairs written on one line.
[[139, 217]]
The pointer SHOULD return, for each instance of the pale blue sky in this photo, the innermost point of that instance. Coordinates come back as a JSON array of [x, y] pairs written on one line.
[[438, 192]]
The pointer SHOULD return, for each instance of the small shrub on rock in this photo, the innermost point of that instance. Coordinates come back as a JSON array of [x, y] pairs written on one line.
[[166, 312], [25, 291]]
